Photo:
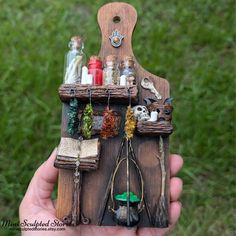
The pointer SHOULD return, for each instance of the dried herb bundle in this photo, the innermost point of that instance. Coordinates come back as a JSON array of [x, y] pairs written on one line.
[[108, 125], [130, 123], [87, 121], [72, 117]]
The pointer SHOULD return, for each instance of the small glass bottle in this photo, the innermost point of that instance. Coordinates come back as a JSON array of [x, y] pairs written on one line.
[[111, 73], [127, 70], [95, 69], [74, 61]]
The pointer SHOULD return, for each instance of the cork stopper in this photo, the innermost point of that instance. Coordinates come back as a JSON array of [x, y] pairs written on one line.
[[128, 58], [111, 58], [127, 61], [95, 58], [76, 42]]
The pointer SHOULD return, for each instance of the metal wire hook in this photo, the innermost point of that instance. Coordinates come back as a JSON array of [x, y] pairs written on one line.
[[90, 95], [109, 97], [72, 92], [129, 96]]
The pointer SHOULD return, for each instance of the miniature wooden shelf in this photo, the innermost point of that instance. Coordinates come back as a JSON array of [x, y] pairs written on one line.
[[98, 93], [163, 128]]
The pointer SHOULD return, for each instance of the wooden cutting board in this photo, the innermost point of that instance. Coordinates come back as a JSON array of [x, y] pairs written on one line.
[[121, 17]]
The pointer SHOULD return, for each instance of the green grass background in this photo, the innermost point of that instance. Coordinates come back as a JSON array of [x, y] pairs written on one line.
[[189, 42]]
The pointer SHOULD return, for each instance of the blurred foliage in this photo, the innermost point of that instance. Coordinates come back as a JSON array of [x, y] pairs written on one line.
[[191, 43]]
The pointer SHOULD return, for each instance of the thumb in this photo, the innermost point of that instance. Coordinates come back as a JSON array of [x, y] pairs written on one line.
[[42, 183]]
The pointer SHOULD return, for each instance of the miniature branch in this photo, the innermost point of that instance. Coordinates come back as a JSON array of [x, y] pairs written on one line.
[[161, 218]]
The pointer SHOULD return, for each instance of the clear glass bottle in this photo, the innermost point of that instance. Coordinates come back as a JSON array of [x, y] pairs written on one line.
[[75, 59], [111, 73], [127, 70]]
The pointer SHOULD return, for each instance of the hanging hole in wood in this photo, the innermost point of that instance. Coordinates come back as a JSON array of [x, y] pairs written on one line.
[[116, 19]]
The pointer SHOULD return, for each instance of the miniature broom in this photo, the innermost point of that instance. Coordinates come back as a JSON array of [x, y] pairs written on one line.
[[161, 217]]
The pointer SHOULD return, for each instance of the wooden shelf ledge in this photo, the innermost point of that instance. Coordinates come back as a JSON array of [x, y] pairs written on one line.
[[98, 93], [163, 128]]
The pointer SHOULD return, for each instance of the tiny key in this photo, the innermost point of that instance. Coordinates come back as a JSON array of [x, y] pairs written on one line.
[[148, 84]]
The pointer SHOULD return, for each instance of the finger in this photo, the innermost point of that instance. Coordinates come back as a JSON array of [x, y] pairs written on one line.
[[176, 163], [176, 187], [47, 176], [175, 210], [42, 183]]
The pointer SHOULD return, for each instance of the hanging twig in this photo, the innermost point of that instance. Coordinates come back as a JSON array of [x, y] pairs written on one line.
[[161, 217]]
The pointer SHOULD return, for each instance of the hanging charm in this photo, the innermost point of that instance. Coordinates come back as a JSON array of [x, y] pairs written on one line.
[[116, 38], [72, 117]]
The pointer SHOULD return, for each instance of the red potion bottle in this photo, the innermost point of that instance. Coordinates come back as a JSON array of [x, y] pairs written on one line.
[[95, 69]]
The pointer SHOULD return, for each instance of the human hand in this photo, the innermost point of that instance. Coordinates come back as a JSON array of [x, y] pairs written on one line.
[[38, 205]]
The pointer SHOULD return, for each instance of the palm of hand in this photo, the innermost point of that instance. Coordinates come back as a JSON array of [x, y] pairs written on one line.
[[37, 205]]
